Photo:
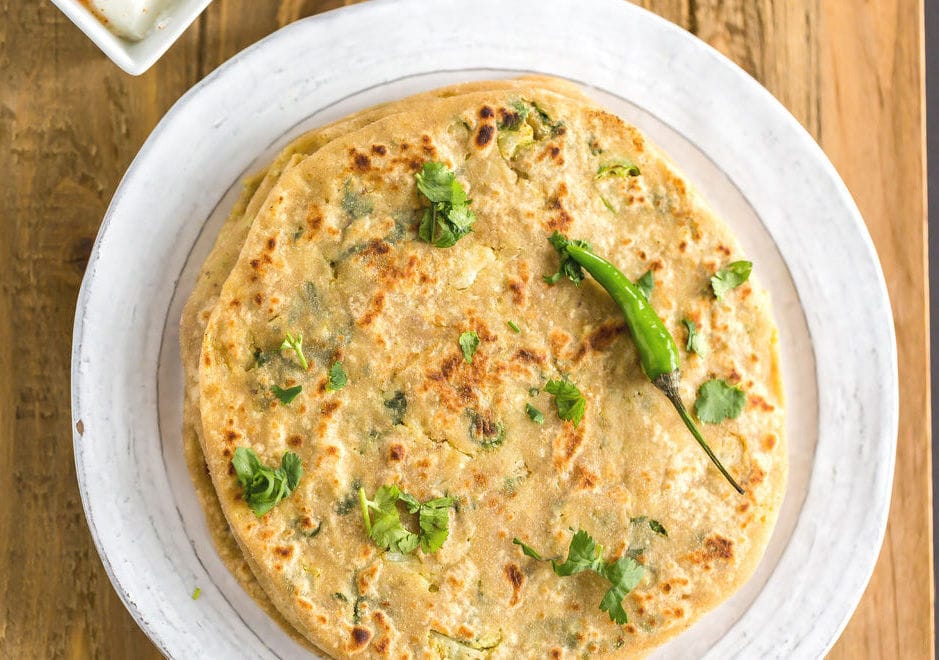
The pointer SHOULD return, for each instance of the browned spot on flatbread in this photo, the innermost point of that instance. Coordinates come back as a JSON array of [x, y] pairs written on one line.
[[567, 444], [361, 161], [484, 135], [600, 338], [379, 149], [517, 287], [756, 476], [485, 112], [719, 547], [396, 452], [584, 479], [530, 356], [314, 221], [295, 441], [285, 551], [758, 402], [375, 307], [558, 217], [516, 578], [557, 340], [271, 242], [366, 577], [376, 248], [359, 637]]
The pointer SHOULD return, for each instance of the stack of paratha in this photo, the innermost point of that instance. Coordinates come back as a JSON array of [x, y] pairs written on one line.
[[325, 245]]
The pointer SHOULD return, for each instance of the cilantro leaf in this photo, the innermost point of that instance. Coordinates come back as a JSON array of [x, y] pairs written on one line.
[[448, 219], [528, 550], [534, 414], [196, 593], [695, 343], [384, 525], [513, 327], [295, 343], [584, 554], [434, 519], [621, 167], [730, 277], [624, 574], [718, 401], [337, 378], [287, 395], [567, 266], [646, 284], [436, 182], [469, 342], [291, 466], [383, 520], [569, 400], [264, 486]]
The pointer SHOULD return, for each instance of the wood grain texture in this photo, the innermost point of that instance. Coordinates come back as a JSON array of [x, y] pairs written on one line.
[[71, 122]]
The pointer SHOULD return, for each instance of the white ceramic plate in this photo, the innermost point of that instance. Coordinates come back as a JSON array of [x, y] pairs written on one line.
[[760, 170]]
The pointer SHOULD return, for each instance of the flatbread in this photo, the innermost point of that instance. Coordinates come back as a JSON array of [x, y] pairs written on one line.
[[333, 254], [218, 265]]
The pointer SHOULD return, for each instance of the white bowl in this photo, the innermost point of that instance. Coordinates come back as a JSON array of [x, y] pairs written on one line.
[[134, 57]]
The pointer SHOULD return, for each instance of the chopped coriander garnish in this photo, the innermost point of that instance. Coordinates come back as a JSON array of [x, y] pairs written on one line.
[[695, 343], [718, 401], [469, 342], [336, 378], [654, 525], [567, 267], [584, 554], [620, 167], [513, 327], [606, 203], [265, 486], [295, 344], [286, 395], [398, 405], [383, 520], [448, 218], [534, 414], [355, 204], [646, 284], [569, 400], [658, 528], [196, 593], [730, 277]]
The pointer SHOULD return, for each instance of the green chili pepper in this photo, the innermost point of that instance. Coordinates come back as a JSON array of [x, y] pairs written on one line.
[[658, 353]]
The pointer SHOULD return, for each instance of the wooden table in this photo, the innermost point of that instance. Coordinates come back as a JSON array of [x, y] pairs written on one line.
[[70, 122]]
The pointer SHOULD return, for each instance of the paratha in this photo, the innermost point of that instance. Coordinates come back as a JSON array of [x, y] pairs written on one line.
[[333, 253], [218, 265]]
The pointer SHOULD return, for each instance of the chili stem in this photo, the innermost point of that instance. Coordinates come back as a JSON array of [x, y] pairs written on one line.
[[666, 383]]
